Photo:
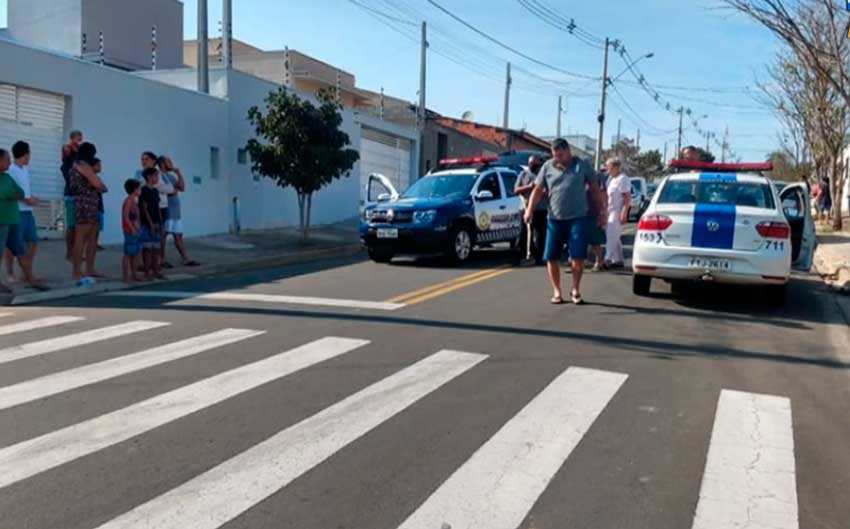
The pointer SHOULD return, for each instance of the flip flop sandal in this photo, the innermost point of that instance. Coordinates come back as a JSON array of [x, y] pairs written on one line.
[[192, 263], [557, 300], [576, 298]]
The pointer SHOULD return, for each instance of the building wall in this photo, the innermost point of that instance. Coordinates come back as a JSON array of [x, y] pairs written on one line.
[[519, 143], [51, 24], [459, 145], [127, 26]]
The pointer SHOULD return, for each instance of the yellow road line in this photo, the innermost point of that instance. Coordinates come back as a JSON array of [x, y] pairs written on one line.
[[419, 292], [456, 286]]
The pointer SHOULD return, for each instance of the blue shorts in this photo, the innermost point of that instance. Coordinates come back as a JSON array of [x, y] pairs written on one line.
[[150, 239], [70, 213], [10, 237], [570, 232], [132, 244], [28, 231]]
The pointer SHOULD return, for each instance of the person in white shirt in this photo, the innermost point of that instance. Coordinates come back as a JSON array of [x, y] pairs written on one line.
[[28, 231], [619, 201]]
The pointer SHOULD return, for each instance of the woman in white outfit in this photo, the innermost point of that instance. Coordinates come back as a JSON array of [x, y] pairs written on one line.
[[619, 201]]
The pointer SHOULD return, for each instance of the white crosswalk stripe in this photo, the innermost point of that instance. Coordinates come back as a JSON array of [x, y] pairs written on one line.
[[499, 484], [40, 323], [52, 345], [28, 458], [231, 488], [749, 479], [46, 386], [260, 298]]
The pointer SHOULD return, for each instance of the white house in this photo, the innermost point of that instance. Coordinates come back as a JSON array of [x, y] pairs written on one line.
[[45, 94]]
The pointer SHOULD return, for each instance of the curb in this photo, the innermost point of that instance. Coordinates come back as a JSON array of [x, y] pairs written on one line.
[[346, 250]]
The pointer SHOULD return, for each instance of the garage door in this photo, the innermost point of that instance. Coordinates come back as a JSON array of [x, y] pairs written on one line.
[[37, 118], [386, 154]]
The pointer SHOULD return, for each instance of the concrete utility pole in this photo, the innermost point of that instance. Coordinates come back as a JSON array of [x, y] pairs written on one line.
[[421, 113], [664, 159], [619, 127], [601, 117], [227, 41], [638, 141], [558, 125], [203, 48], [679, 141], [508, 80]]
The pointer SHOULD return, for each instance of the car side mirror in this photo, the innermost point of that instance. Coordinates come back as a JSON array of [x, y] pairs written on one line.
[[384, 197], [484, 195]]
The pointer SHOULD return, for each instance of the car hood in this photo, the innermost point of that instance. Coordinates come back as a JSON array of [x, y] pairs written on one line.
[[419, 203]]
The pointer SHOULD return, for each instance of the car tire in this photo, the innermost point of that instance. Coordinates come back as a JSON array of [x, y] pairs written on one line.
[[775, 295], [641, 285], [460, 244], [380, 255]]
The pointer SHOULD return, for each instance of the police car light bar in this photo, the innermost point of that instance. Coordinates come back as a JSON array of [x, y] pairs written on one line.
[[473, 160], [722, 167]]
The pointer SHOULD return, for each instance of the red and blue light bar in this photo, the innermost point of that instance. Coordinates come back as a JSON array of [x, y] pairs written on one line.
[[722, 167], [472, 160]]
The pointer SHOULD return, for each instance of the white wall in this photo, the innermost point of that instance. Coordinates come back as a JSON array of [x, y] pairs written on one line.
[[124, 114], [51, 24]]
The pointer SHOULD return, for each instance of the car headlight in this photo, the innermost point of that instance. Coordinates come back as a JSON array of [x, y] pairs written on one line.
[[369, 214], [425, 217]]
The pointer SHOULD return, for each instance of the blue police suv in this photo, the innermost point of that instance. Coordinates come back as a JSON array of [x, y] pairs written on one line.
[[463, 204]]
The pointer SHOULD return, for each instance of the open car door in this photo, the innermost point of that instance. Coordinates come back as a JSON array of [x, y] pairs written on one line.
[[797, 208], [379, 189]]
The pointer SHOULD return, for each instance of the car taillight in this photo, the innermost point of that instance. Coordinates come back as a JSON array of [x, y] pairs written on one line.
[[655, 223], [773, 230]]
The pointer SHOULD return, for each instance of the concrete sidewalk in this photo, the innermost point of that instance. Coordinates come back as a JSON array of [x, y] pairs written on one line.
[[216, 254]]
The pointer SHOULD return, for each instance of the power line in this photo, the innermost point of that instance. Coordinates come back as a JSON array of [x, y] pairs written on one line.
[[507, 47], [558, 23]]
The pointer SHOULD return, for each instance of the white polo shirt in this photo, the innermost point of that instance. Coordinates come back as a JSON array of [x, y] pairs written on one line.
[[21, 175]]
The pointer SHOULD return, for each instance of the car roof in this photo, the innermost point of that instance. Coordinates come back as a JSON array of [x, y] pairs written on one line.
[[734, 177], [469, 170]]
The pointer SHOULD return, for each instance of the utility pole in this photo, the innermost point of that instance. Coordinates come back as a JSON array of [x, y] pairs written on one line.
[[558, 125], [664, 159], [638, 141], [203, 49], [227, 41], [505, 116], [601, 117], [420, 118], [707, 140], [725, 145], [619, 127], [679, 141]]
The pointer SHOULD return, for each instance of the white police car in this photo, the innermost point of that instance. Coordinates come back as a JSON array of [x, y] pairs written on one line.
[[465, 202], [724, 223]]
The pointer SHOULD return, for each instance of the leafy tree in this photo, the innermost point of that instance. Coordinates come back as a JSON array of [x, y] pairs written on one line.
[[300, 145], [785, 167], [649, 163], [626, 151]]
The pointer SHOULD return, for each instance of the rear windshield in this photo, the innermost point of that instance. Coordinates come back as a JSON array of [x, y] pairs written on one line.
[[750, 194]]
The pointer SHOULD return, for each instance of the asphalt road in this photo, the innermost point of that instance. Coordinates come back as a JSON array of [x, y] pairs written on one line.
[[451, 398]]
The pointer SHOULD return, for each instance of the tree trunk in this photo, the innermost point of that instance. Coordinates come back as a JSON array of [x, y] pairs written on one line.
[[301, 197], [307, 215], [837, 184]]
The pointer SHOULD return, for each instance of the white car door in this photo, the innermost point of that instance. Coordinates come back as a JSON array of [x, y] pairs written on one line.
[[487, 199], [511, 209], [379, 189], [797, 208]]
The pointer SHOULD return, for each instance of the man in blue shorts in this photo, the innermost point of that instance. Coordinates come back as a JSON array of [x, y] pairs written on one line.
[[566, 180]]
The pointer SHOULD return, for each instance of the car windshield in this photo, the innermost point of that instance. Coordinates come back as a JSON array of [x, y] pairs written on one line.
[[750, 194], [635, 187], [441, 186]]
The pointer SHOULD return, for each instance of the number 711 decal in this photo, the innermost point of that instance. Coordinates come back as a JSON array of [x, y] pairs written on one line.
[[775, 245]]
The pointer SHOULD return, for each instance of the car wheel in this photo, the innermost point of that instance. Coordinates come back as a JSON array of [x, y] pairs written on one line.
[[776, 295], [460, 244], [641, 284], [380, 255]]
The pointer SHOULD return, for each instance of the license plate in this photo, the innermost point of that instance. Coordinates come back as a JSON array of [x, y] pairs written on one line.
[[387, 233], [710, 263]]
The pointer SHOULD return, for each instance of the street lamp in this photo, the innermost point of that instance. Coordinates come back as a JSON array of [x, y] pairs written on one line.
[[631, 65]]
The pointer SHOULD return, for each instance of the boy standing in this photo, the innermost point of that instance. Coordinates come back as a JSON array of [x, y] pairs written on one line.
[[28, 232], [150, 233], [10, 218], [132, 226]]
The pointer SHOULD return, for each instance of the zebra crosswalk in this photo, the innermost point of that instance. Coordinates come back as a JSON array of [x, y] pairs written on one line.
[[749, 477]]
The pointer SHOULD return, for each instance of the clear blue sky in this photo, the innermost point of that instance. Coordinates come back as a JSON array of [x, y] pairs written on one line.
[[697, 46]]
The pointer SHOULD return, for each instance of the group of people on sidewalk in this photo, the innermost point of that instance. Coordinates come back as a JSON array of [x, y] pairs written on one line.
[[569, 204], [151, 212]]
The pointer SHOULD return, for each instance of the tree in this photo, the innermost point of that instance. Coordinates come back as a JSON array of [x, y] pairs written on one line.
[[626, 151], [818, 59], [785, 167], [300, 146], [649, 163]]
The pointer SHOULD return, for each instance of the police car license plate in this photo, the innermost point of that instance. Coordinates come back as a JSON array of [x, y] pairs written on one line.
[[388, 233], [710, 263]]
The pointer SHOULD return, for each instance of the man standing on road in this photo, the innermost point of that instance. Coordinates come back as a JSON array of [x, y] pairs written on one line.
[[566, 180], [535, 233]]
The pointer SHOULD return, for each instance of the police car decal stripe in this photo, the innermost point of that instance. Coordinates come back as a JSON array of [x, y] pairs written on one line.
[[714, 224]]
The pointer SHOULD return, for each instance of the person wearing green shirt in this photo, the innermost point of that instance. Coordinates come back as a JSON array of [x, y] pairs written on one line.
[[10, 218]]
